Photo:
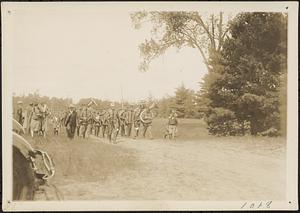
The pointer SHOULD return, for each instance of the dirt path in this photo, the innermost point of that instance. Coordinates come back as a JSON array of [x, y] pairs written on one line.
[[190, 170]]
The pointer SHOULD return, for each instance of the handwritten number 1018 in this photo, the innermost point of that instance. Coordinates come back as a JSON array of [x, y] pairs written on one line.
[[256, 205]]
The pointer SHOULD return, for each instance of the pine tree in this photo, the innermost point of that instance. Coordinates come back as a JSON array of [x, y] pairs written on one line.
[[244, 85]]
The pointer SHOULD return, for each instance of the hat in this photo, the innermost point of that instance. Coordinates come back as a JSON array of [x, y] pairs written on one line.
[[20, 102], [71, 106], [112, 104]]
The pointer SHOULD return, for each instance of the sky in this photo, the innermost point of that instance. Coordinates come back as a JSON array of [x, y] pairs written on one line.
[[93, 52]]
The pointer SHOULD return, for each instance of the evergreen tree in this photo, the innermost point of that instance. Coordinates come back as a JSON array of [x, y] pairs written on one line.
[[244, 84], [185, 102]]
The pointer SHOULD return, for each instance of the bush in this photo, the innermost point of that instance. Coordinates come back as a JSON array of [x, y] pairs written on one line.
[[223, 122]]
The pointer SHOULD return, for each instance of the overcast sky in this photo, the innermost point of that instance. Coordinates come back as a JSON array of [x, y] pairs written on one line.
[[82, 52]]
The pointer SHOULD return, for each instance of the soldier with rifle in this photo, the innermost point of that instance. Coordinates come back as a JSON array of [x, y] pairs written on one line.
[[35, 120], [97, 124], [44, 116], [20, 117], [129, 118], [137, 119], [104, 119], [113, 124], [146, 118], [121, 116], [83, 117], [90, 121]]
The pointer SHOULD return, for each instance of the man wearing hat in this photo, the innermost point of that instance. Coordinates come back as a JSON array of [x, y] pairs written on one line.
[[20, 117], [70, 122], [45, 113], [121, 116], [29, 116], [35, 118], [89, 126], [146, 117], [113, 123], [172, 125], [137, 120], [104, 118], [129, 118]]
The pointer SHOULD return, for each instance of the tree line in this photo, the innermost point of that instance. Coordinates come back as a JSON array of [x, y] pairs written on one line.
[[184, 101]]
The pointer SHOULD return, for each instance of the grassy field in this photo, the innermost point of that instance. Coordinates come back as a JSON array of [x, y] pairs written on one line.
[[195, 166]]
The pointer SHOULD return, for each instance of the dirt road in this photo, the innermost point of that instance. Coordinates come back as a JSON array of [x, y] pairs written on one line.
[[187, 170]]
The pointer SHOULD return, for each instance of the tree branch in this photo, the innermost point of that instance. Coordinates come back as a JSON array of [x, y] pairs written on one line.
[[200, 21], [222, 39], [220, 30], [199, 48]]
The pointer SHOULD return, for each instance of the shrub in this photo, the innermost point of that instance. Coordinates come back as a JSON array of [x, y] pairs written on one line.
[[223, 122]]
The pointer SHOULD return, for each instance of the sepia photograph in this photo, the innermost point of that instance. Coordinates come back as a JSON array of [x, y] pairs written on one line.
[[149, 106]]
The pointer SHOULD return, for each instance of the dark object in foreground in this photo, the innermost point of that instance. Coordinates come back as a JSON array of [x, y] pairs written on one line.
[[26, 175], [23, 177]]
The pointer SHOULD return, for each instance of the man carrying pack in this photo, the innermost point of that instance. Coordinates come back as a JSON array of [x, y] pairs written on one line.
[[97, 124], [172, 125], [146, 121], [129, 118], [20, 117], [83, 117], [113, 123], [137, 120]]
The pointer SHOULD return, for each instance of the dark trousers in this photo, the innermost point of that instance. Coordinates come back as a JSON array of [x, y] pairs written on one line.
[[71, 132], [97, 130], [77, 129], [104, 129], [128, 128]]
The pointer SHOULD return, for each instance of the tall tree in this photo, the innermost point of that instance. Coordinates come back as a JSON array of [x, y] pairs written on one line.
[[185, 102], [245, 82], [180, 29]]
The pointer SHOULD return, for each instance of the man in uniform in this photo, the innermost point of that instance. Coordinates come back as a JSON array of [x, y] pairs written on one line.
[[137, 120], [35, 120], [104, 118], [121, 115], [113, 123], [172, 125], [83, 117], [129, 118], [29, 116], [20, 117], [45, 113], [90, 121], [70, 122], [77, 121], [56, 125], [146, 120], [97, 124]]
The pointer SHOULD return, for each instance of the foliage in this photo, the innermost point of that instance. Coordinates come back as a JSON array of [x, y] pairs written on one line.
[[185, 102], [180, 29], [246, 74], [55, 104], [165, 105], [223, 122]]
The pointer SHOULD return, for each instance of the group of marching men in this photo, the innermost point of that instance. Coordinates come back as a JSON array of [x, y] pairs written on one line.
[[85, 121], [109, 123]]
